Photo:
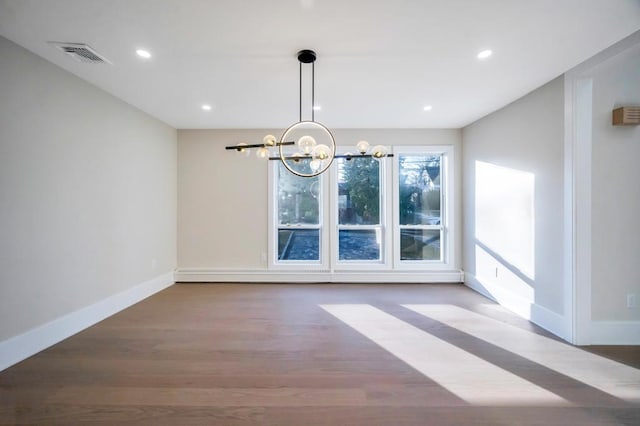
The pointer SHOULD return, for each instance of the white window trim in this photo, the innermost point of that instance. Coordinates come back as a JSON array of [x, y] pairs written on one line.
[[447, 182], [296, 265], [389, 222], [385, 262]]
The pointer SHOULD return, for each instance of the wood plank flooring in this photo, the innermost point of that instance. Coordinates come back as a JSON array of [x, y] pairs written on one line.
[[323, 354]]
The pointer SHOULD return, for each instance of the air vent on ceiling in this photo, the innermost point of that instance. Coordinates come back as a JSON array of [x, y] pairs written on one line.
[[80, 52]]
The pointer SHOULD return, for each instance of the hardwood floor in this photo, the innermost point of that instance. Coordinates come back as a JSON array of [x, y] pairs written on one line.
[[325, 354]]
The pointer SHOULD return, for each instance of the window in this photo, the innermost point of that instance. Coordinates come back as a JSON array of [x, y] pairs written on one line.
[[360, 210], [421, 234], [298, 217], [419, 206], [389, 214]]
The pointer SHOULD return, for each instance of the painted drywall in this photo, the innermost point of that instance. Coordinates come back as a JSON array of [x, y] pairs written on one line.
[[512, 202], [223, 196], [87, 193], [615, 191]]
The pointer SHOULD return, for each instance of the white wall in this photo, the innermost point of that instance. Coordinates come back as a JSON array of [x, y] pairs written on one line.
[[87, 195], [604, 199], [615, 190], [221, 192], [513, 205]]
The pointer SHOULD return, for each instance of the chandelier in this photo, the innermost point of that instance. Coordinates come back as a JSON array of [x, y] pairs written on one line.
[[307, 148]]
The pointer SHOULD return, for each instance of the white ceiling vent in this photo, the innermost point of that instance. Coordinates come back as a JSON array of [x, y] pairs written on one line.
[[80, 52]]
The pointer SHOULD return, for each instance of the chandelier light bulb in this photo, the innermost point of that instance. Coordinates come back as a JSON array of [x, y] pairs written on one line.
[[315, 165], [242, 149], [262, 153], [379, 151], [269, 140], [362, 146], [322, 152], [306, 144]]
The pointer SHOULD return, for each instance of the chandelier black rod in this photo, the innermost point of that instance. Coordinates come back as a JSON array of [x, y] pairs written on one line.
[[257, 145], [348, 157], [307, 57], [313, 91]]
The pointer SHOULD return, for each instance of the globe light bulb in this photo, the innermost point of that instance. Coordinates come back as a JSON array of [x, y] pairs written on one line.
[[379, 151], [262, 153], [321, 152], [242, 149], [269, 140], [306, 144], [313, 141], [315, 165], [362, 146]]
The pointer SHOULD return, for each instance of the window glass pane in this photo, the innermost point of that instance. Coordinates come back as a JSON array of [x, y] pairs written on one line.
[[299, 244], [358, 191], [419, 190], [359, 244], [419, 244], [297, 198]]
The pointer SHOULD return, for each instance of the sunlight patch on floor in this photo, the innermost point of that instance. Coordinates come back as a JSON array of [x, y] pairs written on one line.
[[614, 378], [469, 377]]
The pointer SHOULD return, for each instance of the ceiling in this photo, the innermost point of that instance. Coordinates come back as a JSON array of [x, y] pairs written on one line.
[[379, 62]]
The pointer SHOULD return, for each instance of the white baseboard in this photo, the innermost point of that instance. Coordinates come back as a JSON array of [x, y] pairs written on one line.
[[551, 321], [266, 276], [528, 309], [18, 348], [615, 333]]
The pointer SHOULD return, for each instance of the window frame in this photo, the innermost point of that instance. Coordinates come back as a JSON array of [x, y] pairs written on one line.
[[385, 236], [446, 227], [389, 219], [273, 225]]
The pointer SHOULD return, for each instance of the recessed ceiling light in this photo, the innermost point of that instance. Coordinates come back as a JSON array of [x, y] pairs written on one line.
[[143, 53], [206, 107], [317, 107], [427, 108], [485, 54]]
